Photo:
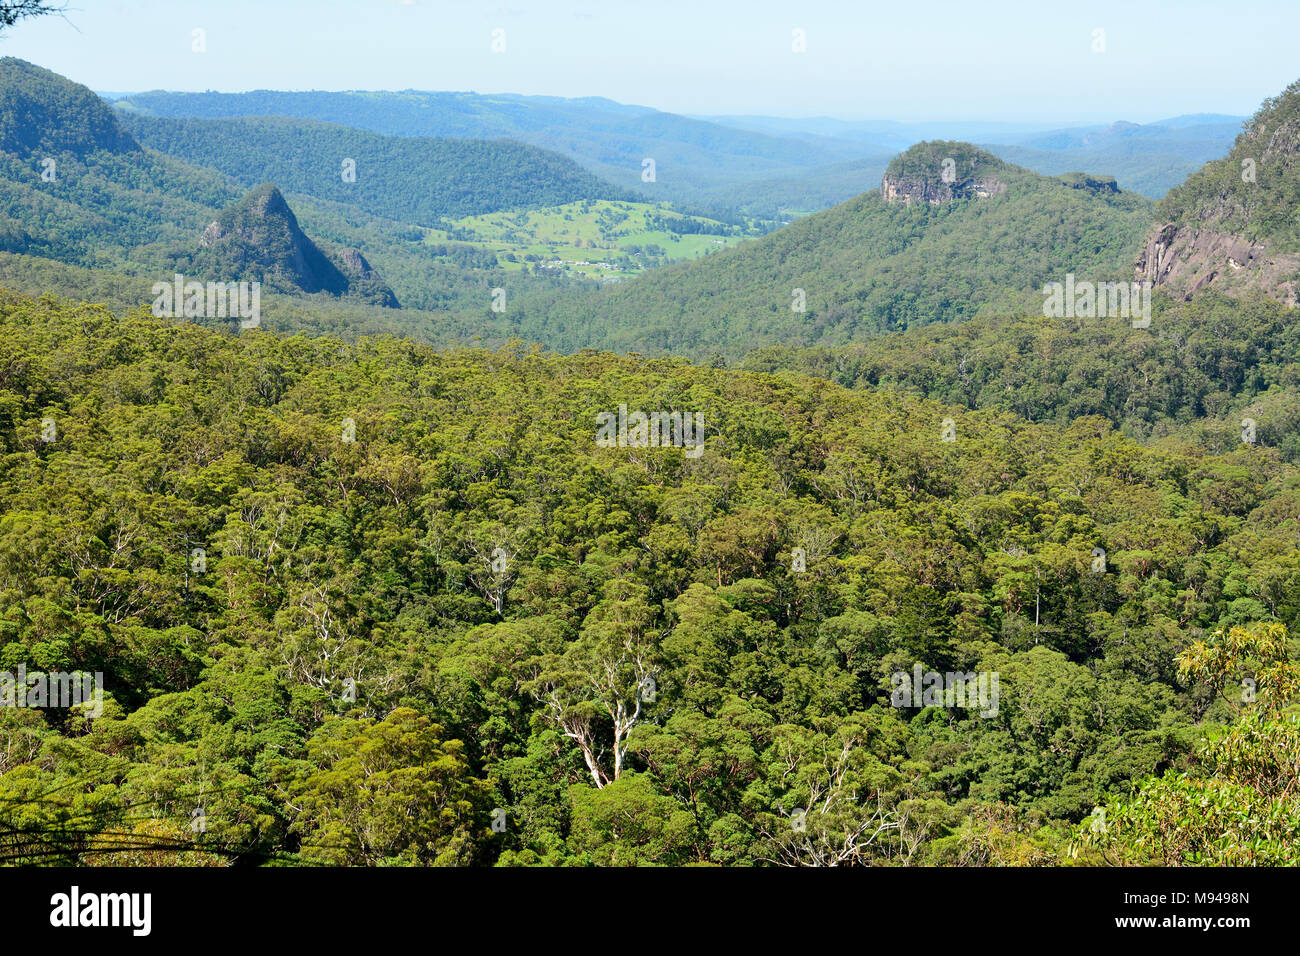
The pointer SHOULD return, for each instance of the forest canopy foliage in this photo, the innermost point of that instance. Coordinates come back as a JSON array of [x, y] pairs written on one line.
[[463, 596], [937, 579]]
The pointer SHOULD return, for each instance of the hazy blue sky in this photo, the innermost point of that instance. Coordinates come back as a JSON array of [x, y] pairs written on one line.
[[865, 60]]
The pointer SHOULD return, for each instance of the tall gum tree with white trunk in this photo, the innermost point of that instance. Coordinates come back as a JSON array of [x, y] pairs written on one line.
[[598, 689]]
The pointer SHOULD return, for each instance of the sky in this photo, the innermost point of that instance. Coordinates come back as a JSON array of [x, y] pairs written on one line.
[[1039, 61]]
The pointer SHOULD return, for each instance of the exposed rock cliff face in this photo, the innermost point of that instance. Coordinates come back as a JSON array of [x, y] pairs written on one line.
[[261, 235], [907, 190], [1185, 260], [1232, 226], [942, 172]]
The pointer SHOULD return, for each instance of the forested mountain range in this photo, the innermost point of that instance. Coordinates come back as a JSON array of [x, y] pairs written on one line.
[[360, 593], [728, 166], [82, 190], [87, 193], [693, 158], [870, 266], [78, 188], [407, 179]]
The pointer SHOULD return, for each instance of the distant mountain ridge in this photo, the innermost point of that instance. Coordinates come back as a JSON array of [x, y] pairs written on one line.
[[1149, 158], [727, 165], [691, 157], [410, 179], [104, 192]]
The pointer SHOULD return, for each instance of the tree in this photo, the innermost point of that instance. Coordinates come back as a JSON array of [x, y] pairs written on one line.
[[1241, 807], [834, 811], [388, 791], [11, 11], [607, 673], [629, 823]]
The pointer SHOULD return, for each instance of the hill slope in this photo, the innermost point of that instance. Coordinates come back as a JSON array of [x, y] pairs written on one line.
[[1200, 369], [1233, 224], [692, 156], [259, 239], [408, 179], [41, 112], [870, 265]]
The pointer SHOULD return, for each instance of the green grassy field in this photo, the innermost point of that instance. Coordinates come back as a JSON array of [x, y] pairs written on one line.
[[598, 239]]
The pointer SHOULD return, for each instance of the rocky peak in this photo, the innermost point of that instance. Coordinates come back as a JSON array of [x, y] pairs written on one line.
[[1093, 184], [259, 238], [941, 172]]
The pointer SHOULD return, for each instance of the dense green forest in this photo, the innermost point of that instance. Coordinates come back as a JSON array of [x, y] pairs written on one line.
[[392, 577], [408, 179], [1198, 370], [425, 585]]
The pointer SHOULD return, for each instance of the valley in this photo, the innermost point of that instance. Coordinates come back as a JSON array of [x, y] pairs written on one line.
[[438, 478], [625, 238]]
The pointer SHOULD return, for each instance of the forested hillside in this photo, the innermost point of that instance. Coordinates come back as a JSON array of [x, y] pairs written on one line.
[[865, 267], [415, 180], [1255, 199], [696, 161], [1232, 226], [76, 187], [330, 583], [1197, 372]]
